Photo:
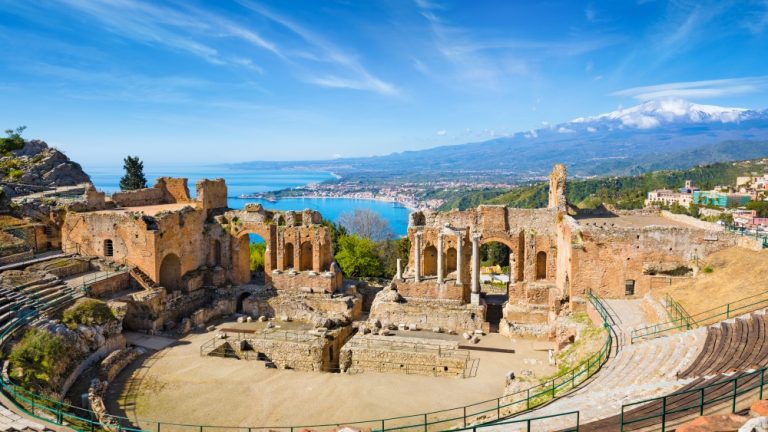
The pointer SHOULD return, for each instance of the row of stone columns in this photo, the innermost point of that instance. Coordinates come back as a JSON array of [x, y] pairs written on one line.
[[441, 260]]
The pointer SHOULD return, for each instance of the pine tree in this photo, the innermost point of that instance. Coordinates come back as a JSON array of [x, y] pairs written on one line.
[[134, 174]]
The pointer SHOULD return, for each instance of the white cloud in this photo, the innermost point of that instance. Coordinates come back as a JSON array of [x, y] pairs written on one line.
[[442, 132], [564, 130], [697, 89], [590, 129]]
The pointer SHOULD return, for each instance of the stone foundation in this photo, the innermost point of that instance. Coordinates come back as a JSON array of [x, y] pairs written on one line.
[[395, 354], [446, 314]]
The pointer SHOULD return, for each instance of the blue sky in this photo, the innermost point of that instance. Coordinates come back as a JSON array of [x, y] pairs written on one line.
[[206, 82]]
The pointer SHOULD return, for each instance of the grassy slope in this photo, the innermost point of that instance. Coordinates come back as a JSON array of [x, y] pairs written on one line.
[[736, 273], [624, 192]]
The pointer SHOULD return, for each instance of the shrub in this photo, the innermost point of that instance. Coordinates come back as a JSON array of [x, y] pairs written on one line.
[[707, 269], [13, 141], [38, 358], [88, 312], [15, 174], [357, 257], [257, 256]]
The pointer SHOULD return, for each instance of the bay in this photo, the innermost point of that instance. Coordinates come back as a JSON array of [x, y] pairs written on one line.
[[241, 182]]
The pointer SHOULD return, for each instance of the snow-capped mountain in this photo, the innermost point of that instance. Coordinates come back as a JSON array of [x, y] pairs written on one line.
[[655, 113], [670, 133]]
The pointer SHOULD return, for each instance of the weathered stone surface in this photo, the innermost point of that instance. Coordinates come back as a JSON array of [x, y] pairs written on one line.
[[714, 423]]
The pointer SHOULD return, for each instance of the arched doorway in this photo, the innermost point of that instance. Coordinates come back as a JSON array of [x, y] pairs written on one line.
[[306, 256], [170, 273], [108, 248], [450, 260], [429, 266], [494, 279], [288, 256], [240, 299], [541, 265]]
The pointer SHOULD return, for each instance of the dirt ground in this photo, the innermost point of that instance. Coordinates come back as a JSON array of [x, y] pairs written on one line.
[[736, 273], [177, 385]]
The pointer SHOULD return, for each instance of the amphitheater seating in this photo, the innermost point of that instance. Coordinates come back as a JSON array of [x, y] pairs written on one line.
[[731, 349], [733, 345], [43, 295], [639, 371]]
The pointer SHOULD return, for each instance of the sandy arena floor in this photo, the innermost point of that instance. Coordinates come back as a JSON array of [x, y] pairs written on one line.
[[177, 385]]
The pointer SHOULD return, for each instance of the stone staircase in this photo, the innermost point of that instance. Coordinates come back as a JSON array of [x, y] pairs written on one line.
[[10, 421], [143, 279]]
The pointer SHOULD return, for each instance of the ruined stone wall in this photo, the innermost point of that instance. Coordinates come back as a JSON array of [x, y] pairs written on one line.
[[132, 239], [175, 190], [306, 281], [211, 194], [286, 354], [110, 285], [430, 289], [607, 257], [138, 197], [311, 308], [427, 314], [374, 353]]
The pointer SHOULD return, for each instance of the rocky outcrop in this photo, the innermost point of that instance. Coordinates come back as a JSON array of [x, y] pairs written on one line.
[[47, 166], [35, 168]]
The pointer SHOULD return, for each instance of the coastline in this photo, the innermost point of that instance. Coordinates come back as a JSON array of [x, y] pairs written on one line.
[[347, 197]]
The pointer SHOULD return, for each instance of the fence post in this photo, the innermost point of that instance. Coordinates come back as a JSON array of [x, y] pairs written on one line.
[[528, 399], [498, 408], [553, 388], [382, 426], [465, 416], [762, 382], [425, 422], [735, 386], [701, 401], [727, 311], [664, 414]]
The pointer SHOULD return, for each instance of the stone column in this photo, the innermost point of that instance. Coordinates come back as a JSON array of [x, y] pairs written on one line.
[[475, 295], [440, 258], [459, 256], [417, 258], [512, 268], [399, 275]]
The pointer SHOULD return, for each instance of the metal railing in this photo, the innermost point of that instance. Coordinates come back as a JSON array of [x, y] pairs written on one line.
[[750, 233], [707, 317], [739, 392], [677, 313], [464, 417]]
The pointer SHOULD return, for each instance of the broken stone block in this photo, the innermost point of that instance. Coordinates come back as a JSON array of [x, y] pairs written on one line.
[[384, 332], [270, 325], [249, 319], [377, 324], [240, 320], [437, 330], [262, 318], [467, 336], [413, 327], [475, 339], [478, 332], [210, 328], [401, 327], [285, 318]]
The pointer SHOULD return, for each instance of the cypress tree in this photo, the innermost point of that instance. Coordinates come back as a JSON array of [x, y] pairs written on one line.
[[134, 174]]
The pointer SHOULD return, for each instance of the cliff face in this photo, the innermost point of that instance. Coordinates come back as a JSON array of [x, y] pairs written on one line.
[[34, 168]]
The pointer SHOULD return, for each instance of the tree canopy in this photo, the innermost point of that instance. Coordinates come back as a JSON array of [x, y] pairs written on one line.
[[13, 140], [358, 257], [134, 174], [366, 223]]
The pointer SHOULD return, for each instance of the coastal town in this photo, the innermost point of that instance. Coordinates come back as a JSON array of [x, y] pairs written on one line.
[[742, 205], [411, 195]]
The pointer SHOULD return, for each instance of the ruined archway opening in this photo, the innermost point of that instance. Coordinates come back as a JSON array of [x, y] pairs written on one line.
[[429, 263], [494, 280], [170, 273], [257, 256], [541, 265], [108, 248], [305, 257], [288, 256], [450, 260], [240, 299], [214, 253]]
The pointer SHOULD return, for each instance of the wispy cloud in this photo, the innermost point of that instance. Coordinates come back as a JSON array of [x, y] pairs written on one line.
[[352, 74], [698, 89], [491, 60]]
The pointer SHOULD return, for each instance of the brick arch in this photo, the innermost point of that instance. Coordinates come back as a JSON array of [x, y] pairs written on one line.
[[240, 251]]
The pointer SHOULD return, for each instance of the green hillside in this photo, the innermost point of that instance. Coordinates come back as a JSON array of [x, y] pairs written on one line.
[[623, 192]]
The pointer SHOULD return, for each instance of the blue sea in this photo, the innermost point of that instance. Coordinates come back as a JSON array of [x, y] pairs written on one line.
[[240, 181]]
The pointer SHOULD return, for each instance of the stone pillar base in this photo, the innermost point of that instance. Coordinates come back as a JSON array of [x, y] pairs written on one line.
[[474, 299]]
